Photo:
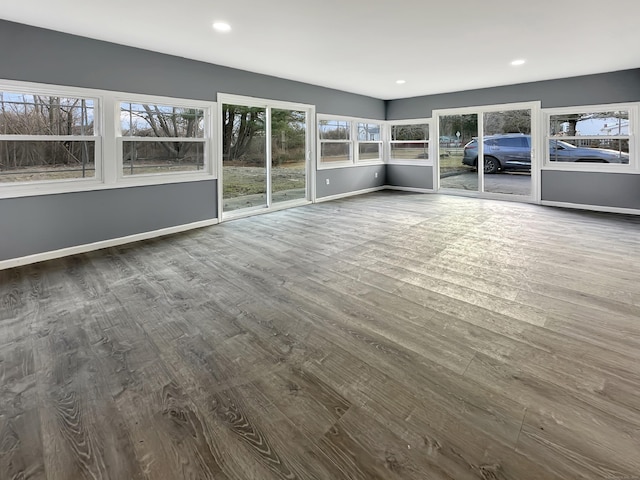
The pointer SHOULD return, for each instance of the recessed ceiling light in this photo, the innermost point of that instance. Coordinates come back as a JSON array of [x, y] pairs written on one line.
[[520, 61], [222, 26], [400, 82]]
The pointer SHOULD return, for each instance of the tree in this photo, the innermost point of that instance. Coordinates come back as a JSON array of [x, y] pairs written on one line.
[[288, 136], [509, 121], [467, 125], [240, 126], [410, 132], [23, 114], [164, 122]]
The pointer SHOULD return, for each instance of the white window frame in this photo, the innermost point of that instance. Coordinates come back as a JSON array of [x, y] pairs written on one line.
[[358, 142], [207, 139], [353, 142], [404, 161], [108, 166], [632, 167], [38, 187], [349, 142]]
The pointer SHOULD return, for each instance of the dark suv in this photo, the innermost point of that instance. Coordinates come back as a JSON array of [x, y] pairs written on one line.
[[512, 151]]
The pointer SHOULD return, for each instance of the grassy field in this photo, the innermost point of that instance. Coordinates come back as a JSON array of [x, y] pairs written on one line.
[[66, 172], [240, 181], [38, 174], [452, 163]]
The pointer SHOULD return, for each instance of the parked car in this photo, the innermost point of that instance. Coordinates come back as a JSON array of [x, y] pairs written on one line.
[[512, 151]]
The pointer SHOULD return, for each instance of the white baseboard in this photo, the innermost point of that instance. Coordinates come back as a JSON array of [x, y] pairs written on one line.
[[63, 252], [595, 208], [350, 194], [409, 189]]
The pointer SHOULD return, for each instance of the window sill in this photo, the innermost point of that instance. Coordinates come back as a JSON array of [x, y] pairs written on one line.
[[55, 188], [416, 163], [331, 166], [361, 163], [592, 168]]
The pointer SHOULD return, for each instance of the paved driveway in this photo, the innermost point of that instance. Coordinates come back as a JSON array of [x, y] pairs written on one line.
[[510, 182]]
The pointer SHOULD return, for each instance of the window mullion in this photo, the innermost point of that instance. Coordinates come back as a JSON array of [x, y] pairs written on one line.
[[268, 154], [111, 154], [355, 143]]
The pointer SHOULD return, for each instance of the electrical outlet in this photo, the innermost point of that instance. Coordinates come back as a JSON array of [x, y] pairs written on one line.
[[375, 175], [328, 182]]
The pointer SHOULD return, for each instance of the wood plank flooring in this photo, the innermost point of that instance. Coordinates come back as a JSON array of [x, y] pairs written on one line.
[[386, 336]]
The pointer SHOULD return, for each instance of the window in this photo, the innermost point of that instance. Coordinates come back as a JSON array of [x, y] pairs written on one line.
[[47, 136], [162, 139], [335, 141], [56, 139], [590, 137], [409, 142], [369, 142], [345, 142]]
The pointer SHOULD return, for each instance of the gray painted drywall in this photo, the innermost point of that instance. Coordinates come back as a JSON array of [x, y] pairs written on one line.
[[412, 176], [614, 87], [45, 56], [587, 188], [349, 179], [31, 225]]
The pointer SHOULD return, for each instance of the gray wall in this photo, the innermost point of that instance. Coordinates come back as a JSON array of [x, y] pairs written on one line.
[[349, 179], [614, 87], [44, 223], [602, 189], [412, 176], [30, 225], [586, 188], [39, 55]]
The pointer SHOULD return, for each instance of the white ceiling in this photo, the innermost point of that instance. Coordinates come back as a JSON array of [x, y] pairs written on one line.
[[365, 46]]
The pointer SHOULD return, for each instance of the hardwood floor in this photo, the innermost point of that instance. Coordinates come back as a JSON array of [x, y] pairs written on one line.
[[386, 336]]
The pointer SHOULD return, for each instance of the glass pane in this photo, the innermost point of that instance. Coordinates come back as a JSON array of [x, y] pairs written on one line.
[[410, 150], [244, 169], [369, 151], [410, 132], [288, 155], [28, 161], [507, 152], [143, 120], [22, 114], [141, 158], [368, 132], [334, 129], [610, 150], [335, 152], [589, 124], [458, 152]]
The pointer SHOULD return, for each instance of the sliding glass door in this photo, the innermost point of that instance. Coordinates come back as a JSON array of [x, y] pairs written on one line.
[[288, 155], [507, 152], [457, 167], [266, 152], [487, 151], [244, 167]]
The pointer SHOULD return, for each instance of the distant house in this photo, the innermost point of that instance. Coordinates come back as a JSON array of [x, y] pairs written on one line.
[[601, 126]]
